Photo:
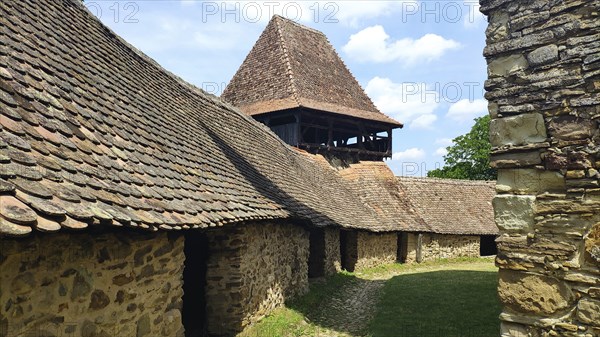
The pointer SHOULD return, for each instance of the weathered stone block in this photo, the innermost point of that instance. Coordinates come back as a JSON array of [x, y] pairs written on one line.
[[543, 55], [592, 245], [514, 213], [505, 65], [515, 159], [571, 128], [529, 181], [518, 130], [513, 330], [533, 294], [588, 311]]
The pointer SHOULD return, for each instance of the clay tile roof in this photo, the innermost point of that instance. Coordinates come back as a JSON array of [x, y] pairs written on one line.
[[293, 66], [376, 186], [93, 132], [453, 206]]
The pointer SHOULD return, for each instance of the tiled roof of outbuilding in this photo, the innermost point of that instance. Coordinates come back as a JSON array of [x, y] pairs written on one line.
[[95, 133], [293, 66], [376, 186], [452, 206]]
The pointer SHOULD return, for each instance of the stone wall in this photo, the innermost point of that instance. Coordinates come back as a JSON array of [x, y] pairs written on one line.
[[253, 269], [374, 249], [543, 90], [332, 251], [84, 284], [440, 246]]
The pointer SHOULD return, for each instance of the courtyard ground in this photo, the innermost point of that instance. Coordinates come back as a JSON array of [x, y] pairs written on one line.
[[450, 298]]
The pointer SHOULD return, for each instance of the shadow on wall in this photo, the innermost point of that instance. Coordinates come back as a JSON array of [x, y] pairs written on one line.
[[439, 303], [264, 185]]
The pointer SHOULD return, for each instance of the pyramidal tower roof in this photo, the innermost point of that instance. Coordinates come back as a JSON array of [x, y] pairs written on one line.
[[293, 66]]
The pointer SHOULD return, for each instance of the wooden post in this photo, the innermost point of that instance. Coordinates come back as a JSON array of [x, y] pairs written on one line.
[[419, 247], [330, 133], [389, 141]]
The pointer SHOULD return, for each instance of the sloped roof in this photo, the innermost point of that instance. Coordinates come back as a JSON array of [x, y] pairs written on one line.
[[293, 66], [452, 206], [376, 186], [93, 132]]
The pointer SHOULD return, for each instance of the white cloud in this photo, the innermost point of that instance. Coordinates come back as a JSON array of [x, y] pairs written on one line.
[[473, 17], [351, 12], [372, 44], [423, 121], [441, 151], [409, 103], [465, 110], [412, 154]]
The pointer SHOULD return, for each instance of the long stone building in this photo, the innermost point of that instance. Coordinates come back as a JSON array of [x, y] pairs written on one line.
[[134, 204], [459, 214], [543, 90]]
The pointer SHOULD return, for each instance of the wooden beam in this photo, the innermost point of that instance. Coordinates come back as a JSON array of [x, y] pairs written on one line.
[[330, 133]]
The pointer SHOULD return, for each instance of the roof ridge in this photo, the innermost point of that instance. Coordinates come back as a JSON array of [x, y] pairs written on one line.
[[447, 180], [286, 58], [298, 24]]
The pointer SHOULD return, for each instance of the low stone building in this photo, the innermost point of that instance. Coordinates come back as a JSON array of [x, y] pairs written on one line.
[[458, 213], [132, 203], [543, 89]]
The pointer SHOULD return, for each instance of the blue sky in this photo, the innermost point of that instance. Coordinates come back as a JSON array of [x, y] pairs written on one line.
[[420, 61]]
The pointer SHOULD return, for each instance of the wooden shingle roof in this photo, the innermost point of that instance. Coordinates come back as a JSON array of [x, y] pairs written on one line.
[[293, 66], [93, 132], [451, 206]]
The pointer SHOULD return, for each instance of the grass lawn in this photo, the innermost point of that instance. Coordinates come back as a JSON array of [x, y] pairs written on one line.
[[447, 298], [456, 301], [296, 318]]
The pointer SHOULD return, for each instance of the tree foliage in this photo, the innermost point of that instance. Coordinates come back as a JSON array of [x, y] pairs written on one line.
[[469, 156]]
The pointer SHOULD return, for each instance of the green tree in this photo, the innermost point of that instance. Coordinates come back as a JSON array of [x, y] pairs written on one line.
[[469, 156]]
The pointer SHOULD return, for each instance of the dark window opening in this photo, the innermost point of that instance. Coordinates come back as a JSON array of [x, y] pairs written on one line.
[[316, 259], [487, 245], [194, 284]]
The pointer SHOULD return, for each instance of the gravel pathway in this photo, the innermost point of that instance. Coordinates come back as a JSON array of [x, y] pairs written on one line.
[[352, 307]]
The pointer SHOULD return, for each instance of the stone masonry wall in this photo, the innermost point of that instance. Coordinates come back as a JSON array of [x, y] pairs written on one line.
[[543, 90], [84, 284], [374, 249], [332, 251], [442, 246], [253, 269]]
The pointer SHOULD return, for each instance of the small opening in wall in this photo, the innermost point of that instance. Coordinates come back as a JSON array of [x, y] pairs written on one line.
[[348, 250], [316, 259], [194, 284], [487, 245], [402, 253]]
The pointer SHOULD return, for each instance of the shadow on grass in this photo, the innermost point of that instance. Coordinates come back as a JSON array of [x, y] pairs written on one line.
[[452, 303], [447, 303]]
